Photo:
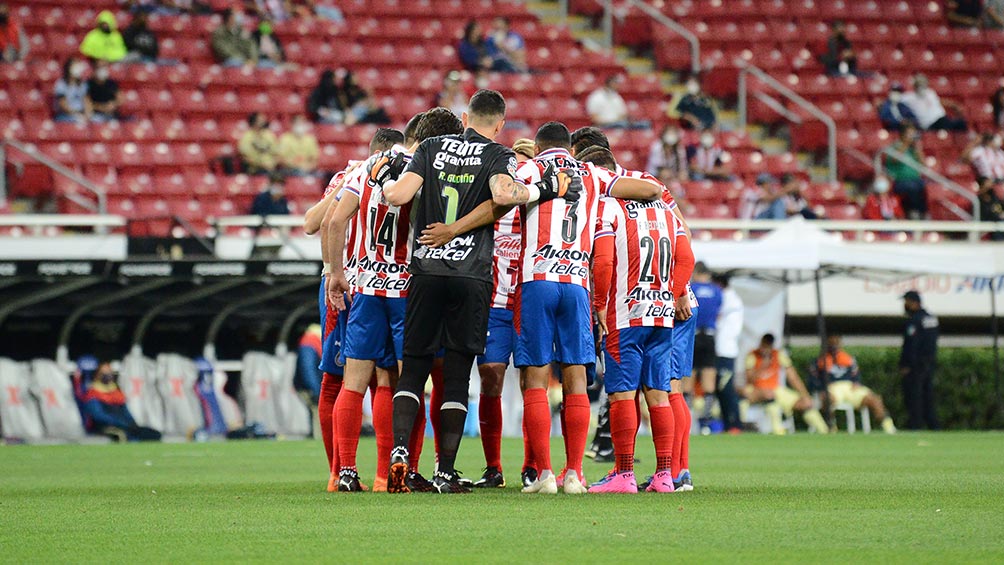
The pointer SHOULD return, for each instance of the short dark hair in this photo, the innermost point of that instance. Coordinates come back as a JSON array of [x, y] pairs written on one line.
[[411, 126], [553, 134], [600, 156], [384, 139], [587, 137], [486, 105], [767, 339], [437, 122]]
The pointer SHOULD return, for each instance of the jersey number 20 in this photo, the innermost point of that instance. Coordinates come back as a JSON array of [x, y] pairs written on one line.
[[648, 246]]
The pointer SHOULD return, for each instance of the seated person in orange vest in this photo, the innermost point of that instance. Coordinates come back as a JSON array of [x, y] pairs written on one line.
[[844, 383], [105, 411], [763, 384]]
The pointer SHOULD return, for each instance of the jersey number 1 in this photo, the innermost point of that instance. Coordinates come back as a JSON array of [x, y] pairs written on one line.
[[452, 201]]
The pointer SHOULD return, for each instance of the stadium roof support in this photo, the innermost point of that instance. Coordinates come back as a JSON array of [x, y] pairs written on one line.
[[287, 325], [45, 295], [192, 296], [209, 352]]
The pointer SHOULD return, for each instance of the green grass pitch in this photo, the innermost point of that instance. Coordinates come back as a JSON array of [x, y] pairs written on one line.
[[935, 498]]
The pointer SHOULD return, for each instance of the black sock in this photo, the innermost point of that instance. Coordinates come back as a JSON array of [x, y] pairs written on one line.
[[410, 388], [453, 415]]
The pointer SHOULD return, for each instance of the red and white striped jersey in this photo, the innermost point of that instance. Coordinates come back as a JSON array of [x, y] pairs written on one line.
[[335, 180], [645, 236], [356, 176], [383, 240], [505, 260], [987, 162], [558, 235]]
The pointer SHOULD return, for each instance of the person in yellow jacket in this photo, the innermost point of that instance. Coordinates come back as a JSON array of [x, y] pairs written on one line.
[[764, 367], [104, 42]]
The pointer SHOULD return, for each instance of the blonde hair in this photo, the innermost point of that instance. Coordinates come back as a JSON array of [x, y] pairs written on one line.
[[524, 146]]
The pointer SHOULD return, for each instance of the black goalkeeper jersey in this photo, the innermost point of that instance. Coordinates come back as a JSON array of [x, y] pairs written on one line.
[[456, 170]]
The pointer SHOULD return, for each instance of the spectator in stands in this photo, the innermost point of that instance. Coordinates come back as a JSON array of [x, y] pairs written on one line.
[[605, 106], [669, 152], [765, 201], [997, 103], [880, 205], [669, 178], [965, 13], [71, 101], [991, 207], [839, 59], [324, 102], [105, 410], [507, 42], [258, 147], [794, 201], [13, 41], [359, 103], [987, 160], [452, 95], [705, 160], [893, 112], [104, 42], [696, 109], [476, 53], [232, 44], [270, 52], [103, 92], [324, 9], [272, 200], [927, 106], [139, 40], [907, 182], [274, 10], [993, 14], [298, 149]]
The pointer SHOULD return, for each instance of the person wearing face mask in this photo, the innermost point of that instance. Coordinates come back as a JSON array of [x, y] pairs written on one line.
[[14, 43], [258, 147], [104, 42], [71, 101], [232, 44], [605, 106], [917, 362], [929, 108], [140, 41], [272, 200], [669, 152], [705, 160], [452, 96], [696, 109], [103, 92], [880, 204], [839, 372], [893, 112], [103, 406], [507, 42], [298, 149]]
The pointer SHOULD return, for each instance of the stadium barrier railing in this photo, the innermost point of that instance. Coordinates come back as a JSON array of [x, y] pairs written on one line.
[[934, 176]]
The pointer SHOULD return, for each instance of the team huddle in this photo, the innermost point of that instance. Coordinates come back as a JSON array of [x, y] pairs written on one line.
[[444, 249]]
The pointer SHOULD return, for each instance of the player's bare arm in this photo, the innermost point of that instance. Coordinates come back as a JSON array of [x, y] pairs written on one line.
[[628, 188], [337, 284], [795, 382], [314, 217], [403, 190], [439, 234], [507, 191]]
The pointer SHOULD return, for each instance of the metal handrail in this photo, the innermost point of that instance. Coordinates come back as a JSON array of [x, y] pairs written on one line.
[[62, 220], [937, 177], [675, 27], [746, 68], [99, 192]]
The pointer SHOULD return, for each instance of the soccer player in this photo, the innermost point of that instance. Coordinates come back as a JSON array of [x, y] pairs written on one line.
[[553, 314], [376, 319], [843, 383], [333, 322], [460, 176], [764, 366], [642, 260]]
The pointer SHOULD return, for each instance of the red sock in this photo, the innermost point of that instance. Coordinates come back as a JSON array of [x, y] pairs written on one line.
[[663, 432], [637, 413], [490, 417], [564, 428], [348, 420], [417, 436], [330, 385], [383, 427], [681, 434], [436, 403], [577, 423], [537, 418], [623, 430], [528, 462]]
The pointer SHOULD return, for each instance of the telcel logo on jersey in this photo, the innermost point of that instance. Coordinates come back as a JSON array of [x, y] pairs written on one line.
[[459, 154], [548, 259], [377, 281], [458, 249], [650, 303]]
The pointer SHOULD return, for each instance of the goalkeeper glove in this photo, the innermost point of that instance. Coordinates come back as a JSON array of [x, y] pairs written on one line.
[[387, 167]]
